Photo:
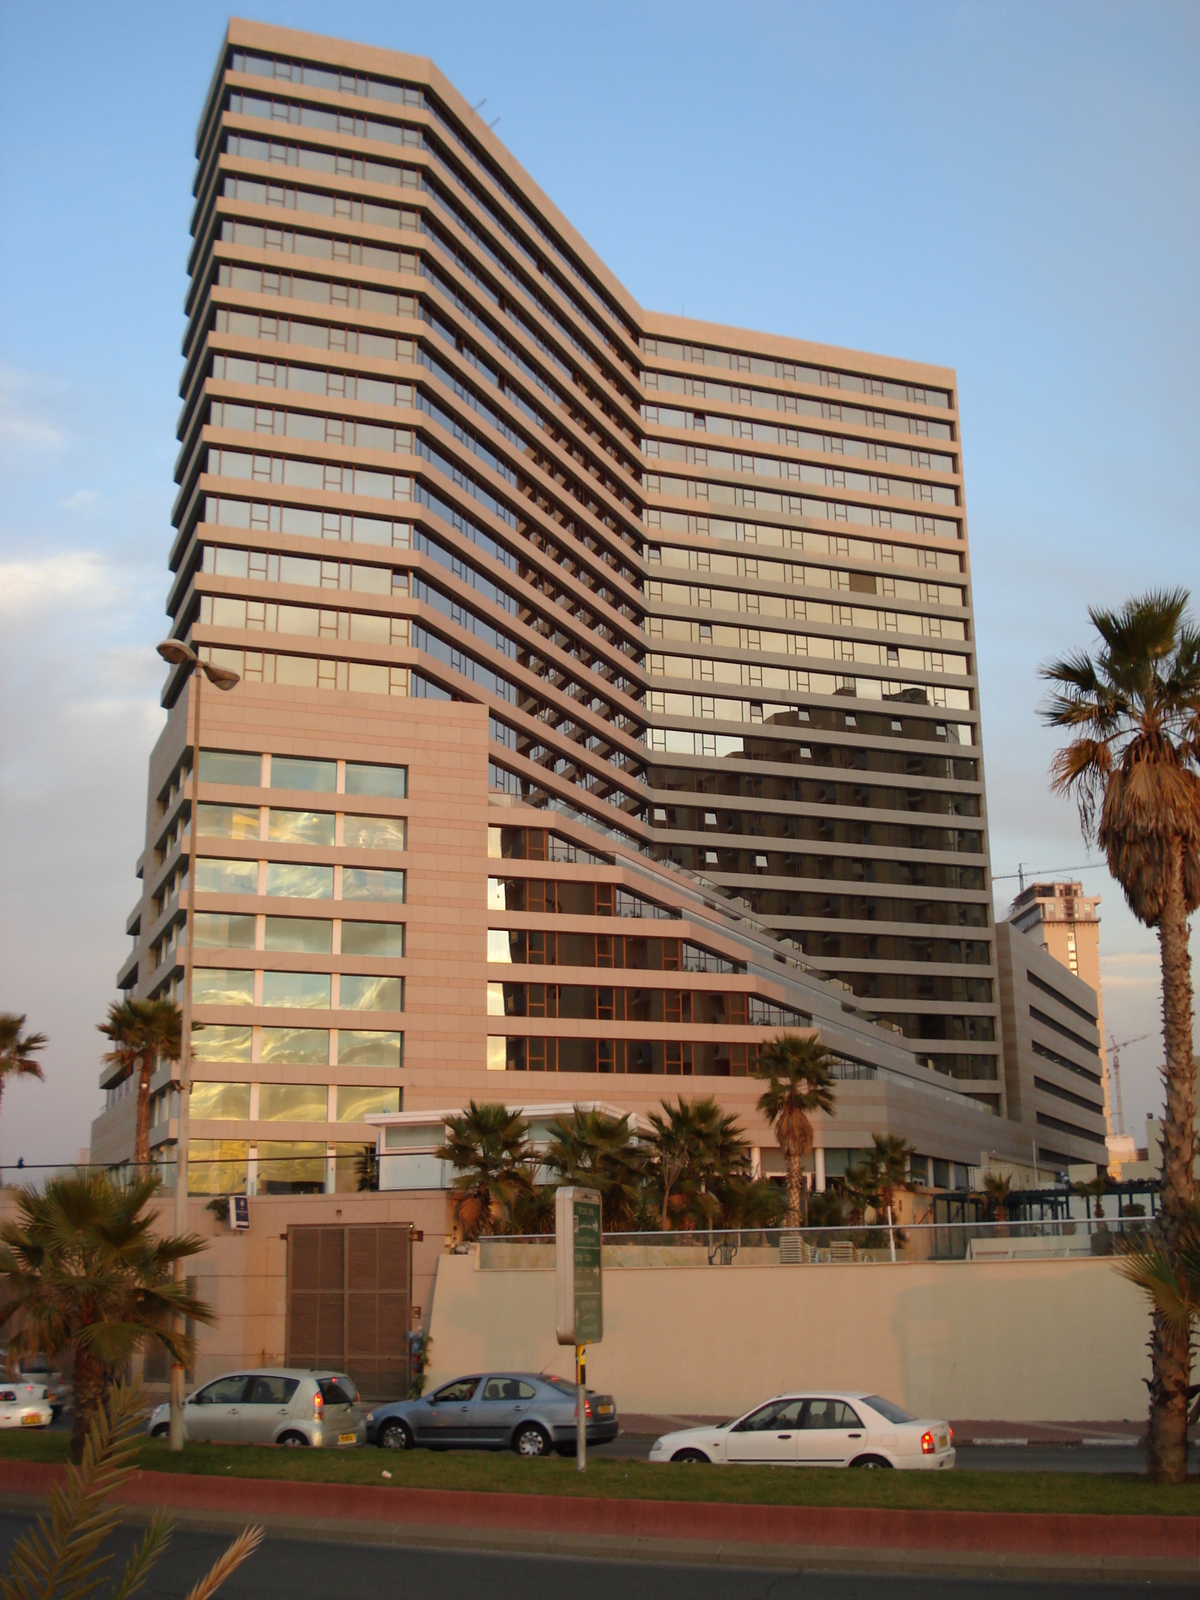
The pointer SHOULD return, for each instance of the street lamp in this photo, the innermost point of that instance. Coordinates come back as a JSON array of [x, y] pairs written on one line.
[[179, 655]]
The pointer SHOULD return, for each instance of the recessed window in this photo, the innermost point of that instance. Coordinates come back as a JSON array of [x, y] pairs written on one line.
[[311, 989], [216, 1042], [357, 1048], [215, 986], [300, 827], [298, 880], [375, 833], [373, 939], [366, 993], [217, 1166], [231, 766], [214, 876], [215, 930], [300, 935], [364, 778], [302, 1047], [220, 1102], [355, 1102], [285, 1168], [371, 883], [226, 822], [298, 772], [292, 1102]]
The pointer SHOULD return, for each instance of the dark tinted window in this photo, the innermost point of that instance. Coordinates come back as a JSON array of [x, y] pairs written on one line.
[[508, 1389], [271, 1390], [830, 1414], [885, 1408], [224, 1392], [335, 1392]]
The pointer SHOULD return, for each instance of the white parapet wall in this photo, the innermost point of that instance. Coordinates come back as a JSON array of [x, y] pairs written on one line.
[[1022, 1341]]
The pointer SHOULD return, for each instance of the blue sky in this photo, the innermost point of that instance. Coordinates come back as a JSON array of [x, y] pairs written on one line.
[[1008, 189]]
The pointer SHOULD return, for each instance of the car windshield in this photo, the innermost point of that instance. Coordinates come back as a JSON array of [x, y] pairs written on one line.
[[886, 1409]]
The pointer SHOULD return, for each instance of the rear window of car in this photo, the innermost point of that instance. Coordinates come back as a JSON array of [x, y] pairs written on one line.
[[334, 1392], [270, 1389], [885, 1408], [561, 1385]]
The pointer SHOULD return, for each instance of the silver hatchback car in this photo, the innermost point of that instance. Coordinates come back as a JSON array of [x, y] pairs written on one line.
[[270, 1405]]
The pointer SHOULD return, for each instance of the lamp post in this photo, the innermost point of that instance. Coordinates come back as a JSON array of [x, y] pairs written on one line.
[[179, 654]]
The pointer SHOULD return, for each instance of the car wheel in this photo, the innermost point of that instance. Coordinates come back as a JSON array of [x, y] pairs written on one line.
[[395, 1436], [871, 1461], [163, 1431], [531, 1441], [691, 1457], [293, 1440]]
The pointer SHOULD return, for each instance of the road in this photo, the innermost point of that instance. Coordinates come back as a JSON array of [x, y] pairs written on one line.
[[327, 1570]]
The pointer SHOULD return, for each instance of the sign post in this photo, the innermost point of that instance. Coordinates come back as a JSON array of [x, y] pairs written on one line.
[[578, 1235]]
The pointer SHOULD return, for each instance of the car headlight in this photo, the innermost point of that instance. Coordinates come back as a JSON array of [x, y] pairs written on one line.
[[370, 1417], [657, 1445]]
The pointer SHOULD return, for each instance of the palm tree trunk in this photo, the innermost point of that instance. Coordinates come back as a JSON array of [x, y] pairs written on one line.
[[141, 1143], [1170, 1353], [91, 1384], [792, 1157]]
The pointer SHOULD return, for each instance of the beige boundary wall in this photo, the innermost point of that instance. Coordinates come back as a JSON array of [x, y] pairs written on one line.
[[1035, 1341]]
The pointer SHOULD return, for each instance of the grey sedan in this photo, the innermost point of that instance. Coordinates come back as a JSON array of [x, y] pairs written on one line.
[[522, 1411]]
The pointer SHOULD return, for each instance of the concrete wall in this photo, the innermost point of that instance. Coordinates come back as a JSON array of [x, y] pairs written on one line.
[[1013, 1341]]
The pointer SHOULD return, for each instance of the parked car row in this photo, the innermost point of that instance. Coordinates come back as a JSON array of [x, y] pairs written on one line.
[[534, 1414]]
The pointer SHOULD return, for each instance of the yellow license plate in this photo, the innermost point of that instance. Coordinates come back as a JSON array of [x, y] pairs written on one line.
[[606, 1411], [347, 1438], [943, 1442], [30, 1420]]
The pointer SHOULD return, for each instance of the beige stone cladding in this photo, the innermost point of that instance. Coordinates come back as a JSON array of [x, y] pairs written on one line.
[[1052, 1054], [605, 585]]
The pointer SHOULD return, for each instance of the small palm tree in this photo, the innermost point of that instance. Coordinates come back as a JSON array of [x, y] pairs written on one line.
[[799, 1074], [598, 1152], [1171, 1282], [1133, 715], [81, 1270], [1094, 1190], [17, 1050], [488, 1147], [997, 1190], [60, 1556], [142, 1033], [889, 1162]]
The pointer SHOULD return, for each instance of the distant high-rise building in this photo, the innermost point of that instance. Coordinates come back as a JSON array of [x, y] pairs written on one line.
[[1066, 923], [608, 690]]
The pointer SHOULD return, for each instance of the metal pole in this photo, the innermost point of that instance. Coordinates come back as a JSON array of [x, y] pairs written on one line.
[[580, 1408], [185, 1064], [891, 1234]]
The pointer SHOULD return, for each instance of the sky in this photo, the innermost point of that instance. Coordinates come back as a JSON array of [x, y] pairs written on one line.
[[1008, 189]]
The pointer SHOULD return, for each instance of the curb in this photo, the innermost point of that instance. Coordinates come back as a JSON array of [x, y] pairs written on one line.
[[995, 1534]]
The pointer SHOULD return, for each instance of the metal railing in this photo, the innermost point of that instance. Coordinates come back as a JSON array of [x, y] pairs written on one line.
[[902, 1244]]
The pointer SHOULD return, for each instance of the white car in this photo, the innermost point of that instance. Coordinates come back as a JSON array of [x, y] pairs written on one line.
[[24, 1405], [817, 1430]]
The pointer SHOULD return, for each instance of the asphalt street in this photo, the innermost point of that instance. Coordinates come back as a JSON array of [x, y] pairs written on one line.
[[295, 1569]]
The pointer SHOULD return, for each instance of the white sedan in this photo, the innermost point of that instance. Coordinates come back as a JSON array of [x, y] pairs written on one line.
[[817, 1430], [24, 1405]]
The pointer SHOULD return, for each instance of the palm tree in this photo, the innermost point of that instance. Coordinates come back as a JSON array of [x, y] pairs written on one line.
[[799, 1074], [488, 1147], [17, 1050], [1172, 1283], [142, 1033], [889, 1169], [1133, 713], [81, 1270], [598, 1152], [692, 1144], [997, 1190]]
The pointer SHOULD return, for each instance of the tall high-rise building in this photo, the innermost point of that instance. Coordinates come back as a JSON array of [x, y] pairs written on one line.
[[608, 696]]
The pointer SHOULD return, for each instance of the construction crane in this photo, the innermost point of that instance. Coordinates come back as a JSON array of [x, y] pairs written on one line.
[[1116, 1048]]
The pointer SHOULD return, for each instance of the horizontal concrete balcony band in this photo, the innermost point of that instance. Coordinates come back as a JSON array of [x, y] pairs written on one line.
[[212, 847], [663, 1032], [260, 1132]]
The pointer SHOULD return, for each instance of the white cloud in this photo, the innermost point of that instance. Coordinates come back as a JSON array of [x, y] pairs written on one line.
[[71, 579], [81, 500], [26, 412]]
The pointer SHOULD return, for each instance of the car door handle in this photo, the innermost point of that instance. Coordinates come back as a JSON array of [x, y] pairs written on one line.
[[855, 1436], [783, 1436], [517, 1410], [233, 1411], [463, 1408]]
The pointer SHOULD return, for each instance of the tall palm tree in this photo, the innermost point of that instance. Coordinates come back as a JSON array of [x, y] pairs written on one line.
[[598, 1152], [17, 1050], [488, 1147], [1133, 714], [82, 1270], [143, 1034], [799, 1075]]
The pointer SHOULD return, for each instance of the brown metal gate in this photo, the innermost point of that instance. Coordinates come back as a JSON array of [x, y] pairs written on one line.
[[349, 1303]]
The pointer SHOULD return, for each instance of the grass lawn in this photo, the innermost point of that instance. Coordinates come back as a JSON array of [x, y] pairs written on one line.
[[1103, 1493]]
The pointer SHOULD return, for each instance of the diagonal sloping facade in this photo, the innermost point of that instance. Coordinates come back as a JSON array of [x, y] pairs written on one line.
[[608, 695]]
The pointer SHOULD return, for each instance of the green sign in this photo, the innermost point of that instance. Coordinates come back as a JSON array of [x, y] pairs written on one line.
[[589, 1312]]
